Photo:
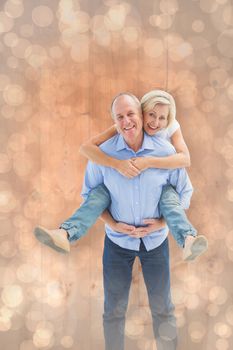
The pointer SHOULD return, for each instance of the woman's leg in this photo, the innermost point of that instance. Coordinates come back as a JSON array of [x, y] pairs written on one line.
[[176, 219], [78, 224], [179, 225], [86, 215]]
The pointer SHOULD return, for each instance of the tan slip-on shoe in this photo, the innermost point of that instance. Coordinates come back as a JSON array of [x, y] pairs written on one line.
[[194, 247], [55, 239]]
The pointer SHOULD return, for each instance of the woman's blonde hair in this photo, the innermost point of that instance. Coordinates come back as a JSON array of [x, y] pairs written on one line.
[[153, 97]]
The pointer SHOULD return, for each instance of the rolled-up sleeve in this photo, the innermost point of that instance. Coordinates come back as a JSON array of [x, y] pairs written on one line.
[[181, 181], [93, 177]]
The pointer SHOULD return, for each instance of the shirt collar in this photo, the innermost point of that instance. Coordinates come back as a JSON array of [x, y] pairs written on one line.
[[146, 144]]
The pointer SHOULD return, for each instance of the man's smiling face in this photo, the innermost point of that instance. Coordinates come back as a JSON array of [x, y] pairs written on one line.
[[128, 118]]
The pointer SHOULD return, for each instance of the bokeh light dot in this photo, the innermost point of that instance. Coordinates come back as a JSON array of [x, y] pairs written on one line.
[[192, 284], [207, 106], [167, 330], [226, 63], [196, 331], [133, 329], [97, 24], [8, 111], [6, 23], [80, 53], [222, 329], [42, 16], [5, 163], [7, 276], [6, 312], [224, 43], [56, 52], [229, 315], [169, 6], [212, 61], [115, 18], [208, 6], [153, 47], [178, 295], [36, 55], [23, 164], [81, 22], [27, 273], [14, 8], [8, 249], [5, 324], [209, 92], [26, 30], [14, 95], [27, 345], [12, 295], [230, 92], [32, 74], [192, 301], [4, 81], [222, 344], [23, 113], [67, 341], [33, 318], [130, 34], [218, 78], [42, 337], [163, 21], [198, 26], [12, 62], [16, 143], [11, 39], [7, 201], [228, 15], [230, 193], [21, 47]]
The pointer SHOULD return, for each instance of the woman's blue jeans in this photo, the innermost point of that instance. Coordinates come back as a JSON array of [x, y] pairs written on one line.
[[117, 270], [99, 199]]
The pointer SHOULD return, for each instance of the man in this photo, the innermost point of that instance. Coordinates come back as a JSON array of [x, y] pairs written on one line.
[[133, 201]]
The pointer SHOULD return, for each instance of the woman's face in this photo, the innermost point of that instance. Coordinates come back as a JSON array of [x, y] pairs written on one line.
[[156, 119]]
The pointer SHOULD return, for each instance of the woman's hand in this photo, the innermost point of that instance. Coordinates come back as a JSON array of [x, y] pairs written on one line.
[[127, 168], [140, 163]]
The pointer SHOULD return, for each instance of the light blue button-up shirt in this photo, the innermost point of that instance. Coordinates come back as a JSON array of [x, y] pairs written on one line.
[[133, 200]]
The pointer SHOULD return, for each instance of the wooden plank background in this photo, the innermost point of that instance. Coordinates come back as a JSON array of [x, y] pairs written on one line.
[[61, 64]]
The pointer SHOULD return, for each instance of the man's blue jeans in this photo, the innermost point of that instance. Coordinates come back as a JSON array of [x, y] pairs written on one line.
[[117, 269], [99, 199]]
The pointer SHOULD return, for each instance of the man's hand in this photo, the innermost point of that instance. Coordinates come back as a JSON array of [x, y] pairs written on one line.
[[152, 225], [121, 227], [127, 168]]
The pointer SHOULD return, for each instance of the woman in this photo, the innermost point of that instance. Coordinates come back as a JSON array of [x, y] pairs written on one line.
[[159, 112]]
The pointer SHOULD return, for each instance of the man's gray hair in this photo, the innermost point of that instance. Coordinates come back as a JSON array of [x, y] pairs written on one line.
[[134, 98]]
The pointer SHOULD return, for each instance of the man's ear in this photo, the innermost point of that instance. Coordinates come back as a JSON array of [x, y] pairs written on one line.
[[118, 130]]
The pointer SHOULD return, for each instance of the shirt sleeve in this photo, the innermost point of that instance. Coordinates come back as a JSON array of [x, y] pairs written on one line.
[[181, 181], [172, 128], [93, 177]]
